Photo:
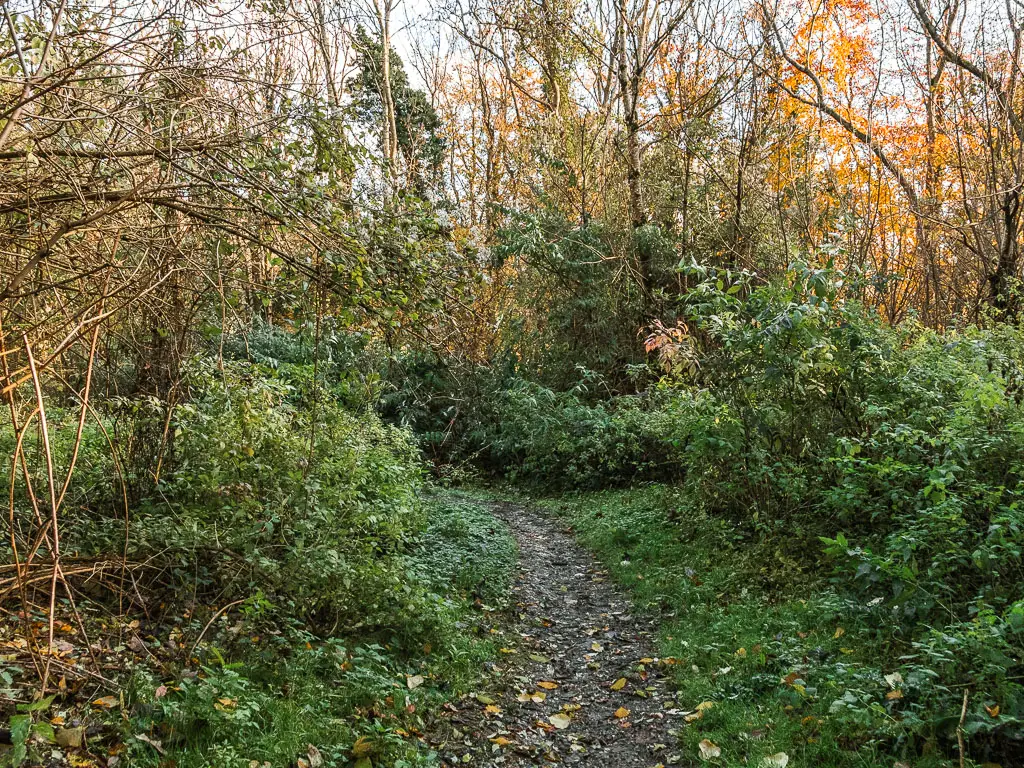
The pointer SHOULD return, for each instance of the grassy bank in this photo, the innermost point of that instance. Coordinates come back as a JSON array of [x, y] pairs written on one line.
[[772, 661]]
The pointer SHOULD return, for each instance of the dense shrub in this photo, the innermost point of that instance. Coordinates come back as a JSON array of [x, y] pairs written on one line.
[[285, 572], [886, 460]]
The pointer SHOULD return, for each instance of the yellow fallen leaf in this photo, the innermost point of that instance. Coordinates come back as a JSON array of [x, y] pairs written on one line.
[[560, 721], [107, 702], [838, 633], [492, 709], [647, 660], [362, 747], [224, 703], [536, 697], [501, 741], [893, 695], [547, 684], [704, 706], [619, 684], [709, 750], [622, 713]]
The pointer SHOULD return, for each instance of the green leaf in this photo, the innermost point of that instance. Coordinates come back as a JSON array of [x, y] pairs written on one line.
[[21, 727]]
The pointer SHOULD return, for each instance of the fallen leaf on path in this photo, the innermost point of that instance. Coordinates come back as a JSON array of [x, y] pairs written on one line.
[[622, 713], [547, 684], [560, 721], [619, 684], [536, 697], [539, 659]]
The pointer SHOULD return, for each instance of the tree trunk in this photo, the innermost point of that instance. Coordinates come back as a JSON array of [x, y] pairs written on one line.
[[390, 130], [1003, 280], [629, 89]]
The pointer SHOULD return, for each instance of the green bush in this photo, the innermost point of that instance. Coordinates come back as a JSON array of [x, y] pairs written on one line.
[[295, 571], [882, 464]]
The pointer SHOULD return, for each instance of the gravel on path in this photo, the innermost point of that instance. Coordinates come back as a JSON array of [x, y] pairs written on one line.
[[580, 683]]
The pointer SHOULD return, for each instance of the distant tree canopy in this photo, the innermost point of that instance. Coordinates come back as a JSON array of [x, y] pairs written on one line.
[[419, 129]]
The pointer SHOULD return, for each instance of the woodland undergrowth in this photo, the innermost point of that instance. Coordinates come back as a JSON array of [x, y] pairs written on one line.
[[826, 510]]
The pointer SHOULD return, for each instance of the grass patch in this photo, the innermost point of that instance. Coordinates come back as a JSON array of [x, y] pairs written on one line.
[[467, 548], [801, 671]]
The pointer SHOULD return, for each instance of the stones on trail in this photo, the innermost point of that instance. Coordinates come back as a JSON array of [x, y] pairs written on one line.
[[579, 682]]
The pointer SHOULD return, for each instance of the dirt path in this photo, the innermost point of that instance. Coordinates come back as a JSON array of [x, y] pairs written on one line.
[[581, 686]]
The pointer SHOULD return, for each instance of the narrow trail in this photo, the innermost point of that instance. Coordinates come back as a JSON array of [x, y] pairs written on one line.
[[582, 685]]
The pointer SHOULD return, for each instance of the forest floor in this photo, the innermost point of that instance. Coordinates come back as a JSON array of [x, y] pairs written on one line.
[[579, 683]]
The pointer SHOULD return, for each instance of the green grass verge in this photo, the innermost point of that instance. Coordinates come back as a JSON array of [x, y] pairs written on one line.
[[801, 672]]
